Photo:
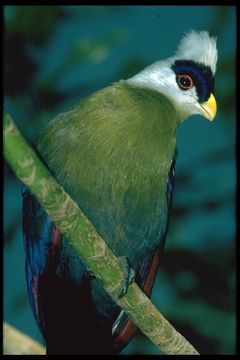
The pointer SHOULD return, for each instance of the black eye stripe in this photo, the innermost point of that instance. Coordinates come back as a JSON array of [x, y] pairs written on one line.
[[201, 74]]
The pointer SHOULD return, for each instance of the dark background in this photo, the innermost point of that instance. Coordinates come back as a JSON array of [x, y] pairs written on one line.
[[55, 55]]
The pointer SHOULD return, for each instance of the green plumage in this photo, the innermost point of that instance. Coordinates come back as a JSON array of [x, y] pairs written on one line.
[[112, 153]]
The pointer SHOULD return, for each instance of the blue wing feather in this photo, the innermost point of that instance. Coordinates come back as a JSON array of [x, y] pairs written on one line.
[[37, 233]]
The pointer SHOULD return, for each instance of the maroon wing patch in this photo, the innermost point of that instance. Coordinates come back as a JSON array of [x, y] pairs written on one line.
[[125, 329]]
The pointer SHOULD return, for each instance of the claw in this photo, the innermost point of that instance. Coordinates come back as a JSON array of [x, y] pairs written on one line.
[[129, 275], [90, 273]]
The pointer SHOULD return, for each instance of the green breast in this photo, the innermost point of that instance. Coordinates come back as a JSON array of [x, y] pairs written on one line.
[[112, 153]]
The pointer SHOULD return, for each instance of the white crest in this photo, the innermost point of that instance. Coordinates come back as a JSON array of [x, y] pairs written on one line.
[[199, 47]]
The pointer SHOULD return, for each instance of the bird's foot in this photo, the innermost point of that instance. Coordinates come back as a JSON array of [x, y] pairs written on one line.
[[128, 278], [129, 275]]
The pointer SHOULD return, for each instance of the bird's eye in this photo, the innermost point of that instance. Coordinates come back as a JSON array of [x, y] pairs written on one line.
[[185, 82]]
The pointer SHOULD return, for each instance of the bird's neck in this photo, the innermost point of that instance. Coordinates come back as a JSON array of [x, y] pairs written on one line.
[[151, 121]]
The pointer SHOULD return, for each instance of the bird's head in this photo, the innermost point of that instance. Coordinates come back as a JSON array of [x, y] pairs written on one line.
[[187, 78]]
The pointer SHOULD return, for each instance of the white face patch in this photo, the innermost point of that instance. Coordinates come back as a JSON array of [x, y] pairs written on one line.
[[161, 78]]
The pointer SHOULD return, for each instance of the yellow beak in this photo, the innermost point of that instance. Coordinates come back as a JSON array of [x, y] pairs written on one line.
[[209, 108]]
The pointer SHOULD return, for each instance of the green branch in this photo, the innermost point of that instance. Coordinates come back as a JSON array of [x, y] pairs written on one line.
[[91, 248]]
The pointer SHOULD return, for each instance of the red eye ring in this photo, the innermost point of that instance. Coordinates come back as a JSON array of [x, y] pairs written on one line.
[[185, 82]]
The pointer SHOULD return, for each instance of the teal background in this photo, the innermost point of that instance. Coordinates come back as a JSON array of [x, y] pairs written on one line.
[[55, 55]]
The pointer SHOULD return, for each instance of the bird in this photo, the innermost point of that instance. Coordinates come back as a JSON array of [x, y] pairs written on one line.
[[114, 153]]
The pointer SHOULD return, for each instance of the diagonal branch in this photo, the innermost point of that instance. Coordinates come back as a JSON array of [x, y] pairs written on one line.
[[92, 249]]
